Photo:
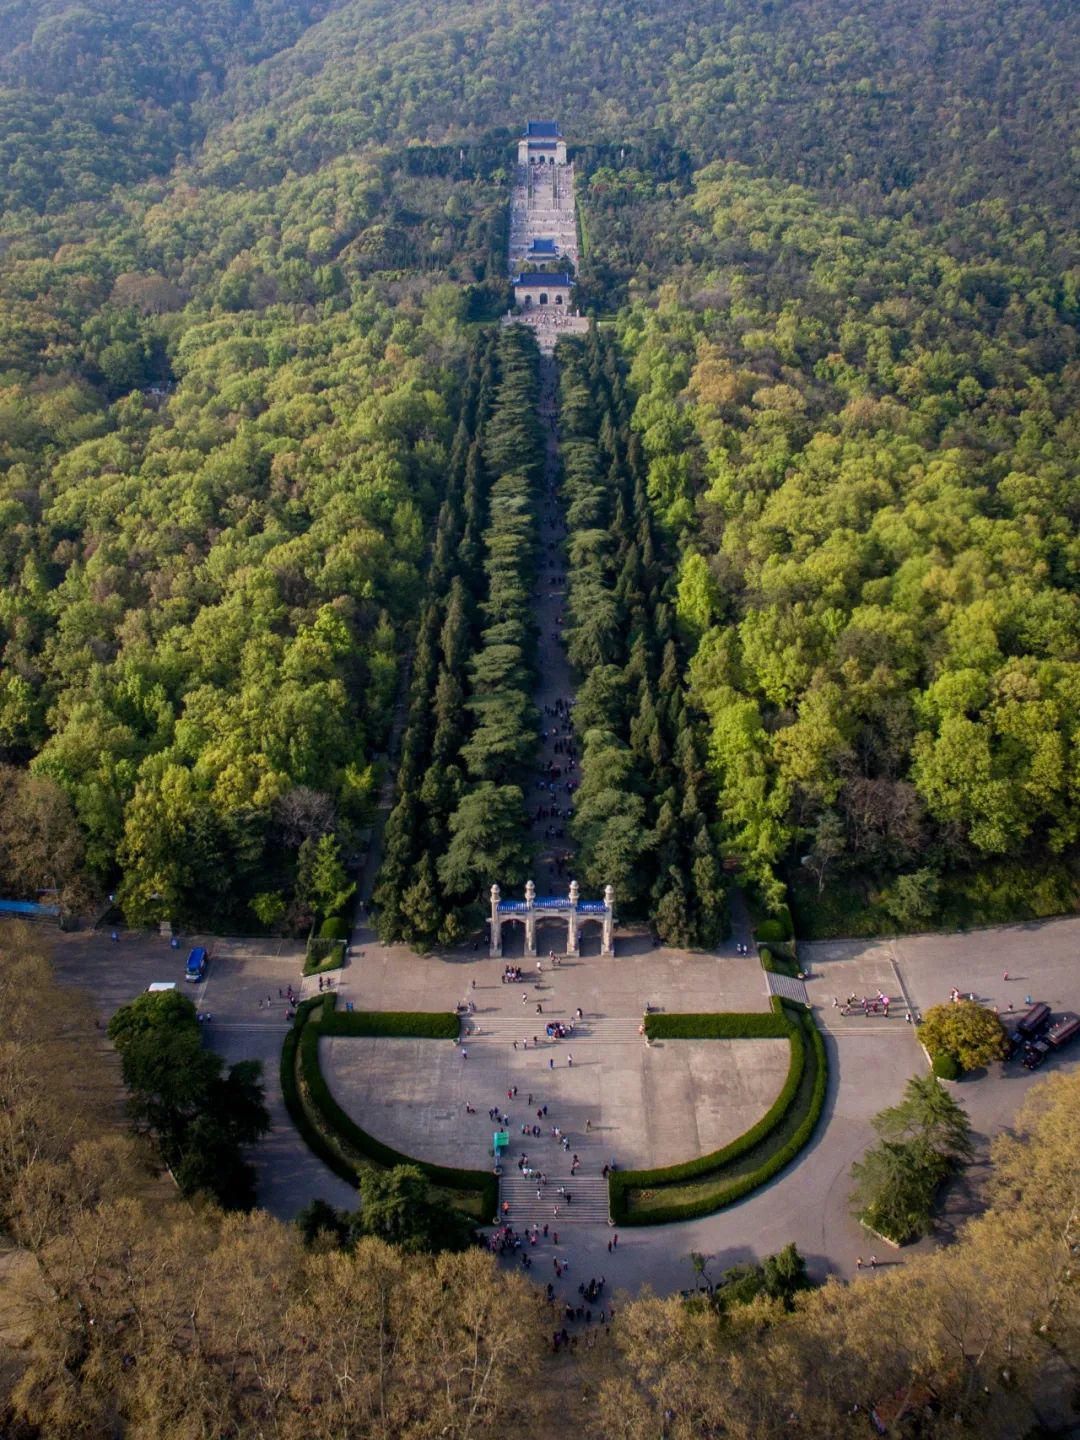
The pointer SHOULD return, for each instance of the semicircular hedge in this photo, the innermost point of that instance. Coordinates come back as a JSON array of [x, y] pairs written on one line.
[[710, 1182], [321, 1121]]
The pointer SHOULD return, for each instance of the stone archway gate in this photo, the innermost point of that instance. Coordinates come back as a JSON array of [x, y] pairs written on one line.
[[573, 910]]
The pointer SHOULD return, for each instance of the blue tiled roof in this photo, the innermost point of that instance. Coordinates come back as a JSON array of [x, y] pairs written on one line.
[[546, 128], [542, 247], [540, 281], [551, 902]]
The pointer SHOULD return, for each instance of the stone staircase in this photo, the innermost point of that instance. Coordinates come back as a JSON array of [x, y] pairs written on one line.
[[787, 988], [589, 1200]]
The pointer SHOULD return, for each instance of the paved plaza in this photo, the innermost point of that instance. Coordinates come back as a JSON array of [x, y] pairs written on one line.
[[412, 1094], [645, 1106]]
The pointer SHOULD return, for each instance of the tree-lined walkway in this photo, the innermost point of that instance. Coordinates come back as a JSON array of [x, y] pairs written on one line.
[[550, 796]]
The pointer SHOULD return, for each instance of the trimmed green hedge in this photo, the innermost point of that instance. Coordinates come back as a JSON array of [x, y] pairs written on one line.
[[735, 1026], [800, 1101], [775, 961], [323, 954], [298, 1114], [946, 1066], [335, 928], [420, 1025], [769, 931], [319, 1017]]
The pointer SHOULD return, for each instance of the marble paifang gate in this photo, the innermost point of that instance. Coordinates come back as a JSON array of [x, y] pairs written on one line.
[[571, 909]]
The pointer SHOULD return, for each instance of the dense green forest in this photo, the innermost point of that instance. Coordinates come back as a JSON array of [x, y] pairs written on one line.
[[865, 451], [245, 247], [642, 814], [460, 815]]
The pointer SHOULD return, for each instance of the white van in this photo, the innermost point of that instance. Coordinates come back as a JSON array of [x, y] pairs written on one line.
[[160, 986]]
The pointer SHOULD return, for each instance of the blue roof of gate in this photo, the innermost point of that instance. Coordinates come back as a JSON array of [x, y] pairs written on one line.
[[551, 902], [542, 247], [546, 128]]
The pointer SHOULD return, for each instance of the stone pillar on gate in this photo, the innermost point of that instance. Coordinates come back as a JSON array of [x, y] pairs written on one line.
[[607, 943], [495, 944], [572, 921], [530, 918]]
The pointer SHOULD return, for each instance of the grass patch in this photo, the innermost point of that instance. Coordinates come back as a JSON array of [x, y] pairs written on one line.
[[324, 954], [334, 1136], [701, 1186]]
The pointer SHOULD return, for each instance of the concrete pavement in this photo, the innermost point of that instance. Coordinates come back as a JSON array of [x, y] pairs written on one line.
[[870, 1060]]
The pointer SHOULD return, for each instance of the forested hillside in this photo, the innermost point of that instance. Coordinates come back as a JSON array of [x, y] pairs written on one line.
[[865, 451], [244, 246], [93, 94]]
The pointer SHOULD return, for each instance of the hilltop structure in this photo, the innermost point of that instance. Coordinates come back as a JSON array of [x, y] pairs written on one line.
[[542, 144], [543, 233], [541, 288]]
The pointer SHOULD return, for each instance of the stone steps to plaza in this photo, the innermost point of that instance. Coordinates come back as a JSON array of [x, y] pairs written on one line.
[[589, 1200]]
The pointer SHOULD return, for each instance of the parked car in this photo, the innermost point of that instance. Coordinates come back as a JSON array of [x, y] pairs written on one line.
[[196, 964]]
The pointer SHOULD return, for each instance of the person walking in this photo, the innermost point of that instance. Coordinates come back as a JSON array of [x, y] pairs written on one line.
[[858, 1262], [873, 1262]]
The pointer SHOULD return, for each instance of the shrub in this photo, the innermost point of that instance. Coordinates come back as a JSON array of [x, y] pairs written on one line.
[[297, 1112], [770, 931], [334, 928], [420, 1025], [966, 1030], [323, 954], [945, 1066], [756, 1026]]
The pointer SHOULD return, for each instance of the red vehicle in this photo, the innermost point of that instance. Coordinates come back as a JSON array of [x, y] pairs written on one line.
[[1058, 1035]]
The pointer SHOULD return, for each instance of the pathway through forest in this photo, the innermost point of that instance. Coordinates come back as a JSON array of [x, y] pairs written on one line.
[[550, 796]]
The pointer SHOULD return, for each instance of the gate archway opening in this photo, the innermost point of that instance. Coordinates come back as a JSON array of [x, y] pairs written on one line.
[[591, 937], [513, 939]]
